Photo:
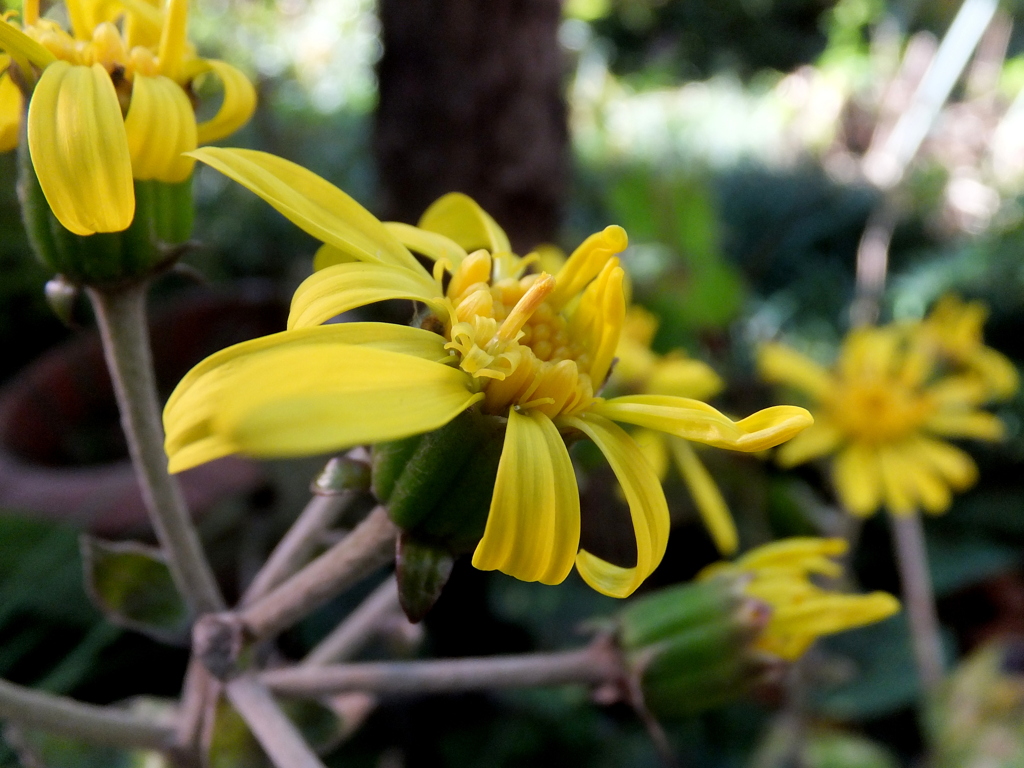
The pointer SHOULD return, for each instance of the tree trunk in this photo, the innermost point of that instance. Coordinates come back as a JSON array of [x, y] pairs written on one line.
[[471, 101]]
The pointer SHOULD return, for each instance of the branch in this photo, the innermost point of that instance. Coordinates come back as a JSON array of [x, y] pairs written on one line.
[[91, 723], [598, 663], [370, 545], [121, 315]]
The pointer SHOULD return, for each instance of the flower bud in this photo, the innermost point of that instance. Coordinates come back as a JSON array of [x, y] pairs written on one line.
[[163, 221], [701, 645]]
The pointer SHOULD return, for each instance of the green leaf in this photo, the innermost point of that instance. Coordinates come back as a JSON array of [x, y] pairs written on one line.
[[132, 585]]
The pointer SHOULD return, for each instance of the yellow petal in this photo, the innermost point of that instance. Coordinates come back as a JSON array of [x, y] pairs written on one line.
[[460, 218], [160, 126], [655, 450], [647, 509], [683, 377], [10, 113], [858, 479], [188, 413], [611, 313], [237, 105], [333, 290], [533, 528], [173, 38], [328, 256], [586, 263], [779, 364], [954, 465], [979, 425], [29, 12], [801, 553], [20, 46], [898, 487], [870, 353], [699, 422], [300, 399], [143, 23], [79, 149], [430, 244], [817, 440], [998, 372], [961, 391], [932, 491], [311, 203], [708, 499], [83, 21]]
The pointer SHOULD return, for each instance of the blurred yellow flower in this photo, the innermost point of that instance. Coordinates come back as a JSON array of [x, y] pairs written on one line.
[[881, 411], [639, 369], [780, 575], [954, 329], [532, 348], [111, 103]]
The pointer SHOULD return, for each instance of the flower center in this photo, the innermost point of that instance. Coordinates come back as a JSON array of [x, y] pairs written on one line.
[[515, 342], [107, 47], [879, 411]]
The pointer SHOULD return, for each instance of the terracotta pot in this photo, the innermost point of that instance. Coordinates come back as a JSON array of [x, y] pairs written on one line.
[[62, 453]]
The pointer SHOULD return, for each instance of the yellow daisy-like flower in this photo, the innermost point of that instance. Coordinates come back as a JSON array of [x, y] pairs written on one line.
[[111, 104], [531, 348], [883, 410], [954, 329], [779, 574], [639, 369]]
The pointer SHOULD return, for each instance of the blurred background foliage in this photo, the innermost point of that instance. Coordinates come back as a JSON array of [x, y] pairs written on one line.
[[726, 137]]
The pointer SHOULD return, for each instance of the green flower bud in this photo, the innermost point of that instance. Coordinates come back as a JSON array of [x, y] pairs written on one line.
[[701, 645], [163, 221]]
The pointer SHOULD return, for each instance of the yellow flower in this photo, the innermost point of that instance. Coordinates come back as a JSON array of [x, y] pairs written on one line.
[[779, 574], [531, 348], [639, 369], [110, 104], [882, 410], [954, 329]]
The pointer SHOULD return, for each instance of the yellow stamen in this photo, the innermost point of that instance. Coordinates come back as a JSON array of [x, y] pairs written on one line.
[[525, 308]]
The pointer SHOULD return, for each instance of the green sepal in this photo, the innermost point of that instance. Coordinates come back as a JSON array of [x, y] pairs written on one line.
[[460, 519], [422, 571], [387, 464], [438, 486], [696, 648], [698, 690], [667, 612], [163, 219]]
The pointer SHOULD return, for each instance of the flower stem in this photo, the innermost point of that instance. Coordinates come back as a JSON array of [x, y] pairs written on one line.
[[370, 545], [121, 315], [67, 717], [358, 627], [277, 734], [919, 597], [597, 663], [297, 544]]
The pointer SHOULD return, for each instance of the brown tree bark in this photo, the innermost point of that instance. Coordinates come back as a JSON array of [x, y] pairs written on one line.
[[471, 101]]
